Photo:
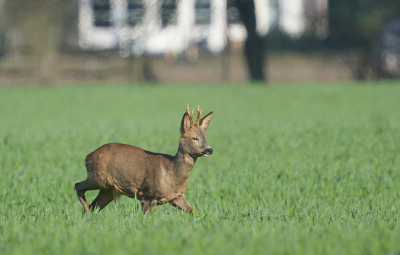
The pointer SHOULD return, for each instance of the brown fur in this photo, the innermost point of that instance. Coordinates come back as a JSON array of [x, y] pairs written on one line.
[[153, 178]]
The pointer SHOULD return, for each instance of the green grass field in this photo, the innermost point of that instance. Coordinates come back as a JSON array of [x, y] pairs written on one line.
[[296, 169]]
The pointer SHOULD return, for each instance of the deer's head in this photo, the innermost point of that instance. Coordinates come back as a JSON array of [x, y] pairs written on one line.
[[193, 140]]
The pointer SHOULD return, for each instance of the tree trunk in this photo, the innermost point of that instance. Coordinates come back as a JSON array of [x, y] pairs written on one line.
[[255, 45]]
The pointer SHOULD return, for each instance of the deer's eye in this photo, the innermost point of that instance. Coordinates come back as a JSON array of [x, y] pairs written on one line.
[[195, 138]]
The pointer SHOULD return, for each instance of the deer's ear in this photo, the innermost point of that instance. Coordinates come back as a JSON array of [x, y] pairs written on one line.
[[185, 124], [205, 121]]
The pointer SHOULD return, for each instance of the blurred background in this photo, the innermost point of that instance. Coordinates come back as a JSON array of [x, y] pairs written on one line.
[[191, 41]]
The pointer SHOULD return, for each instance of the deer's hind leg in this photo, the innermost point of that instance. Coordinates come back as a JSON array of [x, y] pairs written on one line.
[[181, 203], [104, 197], [81, 188]]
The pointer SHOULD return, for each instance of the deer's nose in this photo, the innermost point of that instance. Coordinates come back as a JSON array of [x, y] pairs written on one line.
[[208, 151]]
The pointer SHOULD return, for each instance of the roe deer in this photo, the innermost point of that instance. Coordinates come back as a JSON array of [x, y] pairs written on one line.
[[153, 178]]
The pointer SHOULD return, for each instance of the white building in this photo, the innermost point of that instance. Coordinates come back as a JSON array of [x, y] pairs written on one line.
[[172, 26]]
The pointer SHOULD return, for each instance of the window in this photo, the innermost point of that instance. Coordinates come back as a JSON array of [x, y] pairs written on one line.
[[168, 12], [102, 13], [234, 15], [203, 12], [135, 12]]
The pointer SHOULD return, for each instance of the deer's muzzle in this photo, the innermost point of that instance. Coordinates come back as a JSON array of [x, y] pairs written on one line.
[[207, 152]]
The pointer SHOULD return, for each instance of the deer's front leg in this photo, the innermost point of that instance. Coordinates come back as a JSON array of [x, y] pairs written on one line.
[[182, 204], [147, 206]]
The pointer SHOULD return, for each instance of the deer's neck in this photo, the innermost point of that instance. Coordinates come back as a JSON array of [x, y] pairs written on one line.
[[183, 165]]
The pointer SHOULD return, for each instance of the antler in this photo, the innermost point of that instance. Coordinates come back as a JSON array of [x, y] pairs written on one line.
[[190, 116], [198, 115]]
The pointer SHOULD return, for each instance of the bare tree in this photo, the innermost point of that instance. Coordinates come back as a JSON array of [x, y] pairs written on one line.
[[255, 47]]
